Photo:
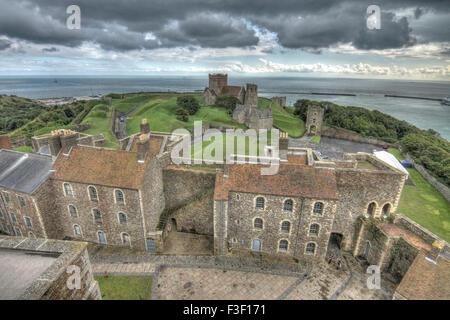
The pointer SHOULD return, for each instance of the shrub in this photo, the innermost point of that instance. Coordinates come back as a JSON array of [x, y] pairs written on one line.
[[188, 103]]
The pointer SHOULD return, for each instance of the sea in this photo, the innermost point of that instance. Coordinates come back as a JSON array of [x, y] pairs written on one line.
[[367, 93]]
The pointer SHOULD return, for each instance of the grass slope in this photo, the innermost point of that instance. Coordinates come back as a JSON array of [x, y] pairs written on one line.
[[125, 287], [424, 204], [99, 120]]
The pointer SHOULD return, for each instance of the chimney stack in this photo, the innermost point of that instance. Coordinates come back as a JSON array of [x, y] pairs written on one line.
[[145, 127], [143, 146], [283, 145], [436, 249]]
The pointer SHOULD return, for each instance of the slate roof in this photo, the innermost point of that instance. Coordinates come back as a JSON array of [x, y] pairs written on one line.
[[107, 167], [291, 180], [23, 172], [425, 280], [4, 142]]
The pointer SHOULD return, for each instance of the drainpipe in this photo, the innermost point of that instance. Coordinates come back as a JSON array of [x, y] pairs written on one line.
[[298, 225], [220, 227]]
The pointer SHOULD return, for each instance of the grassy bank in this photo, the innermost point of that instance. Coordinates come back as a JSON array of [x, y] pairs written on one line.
[[424, 204], [99, 120]]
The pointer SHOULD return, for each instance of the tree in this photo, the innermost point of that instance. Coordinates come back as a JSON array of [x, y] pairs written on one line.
[[188, 103], [227, 102], [182, 114]]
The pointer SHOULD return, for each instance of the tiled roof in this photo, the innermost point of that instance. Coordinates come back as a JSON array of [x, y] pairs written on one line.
[[113, 168], [232, 90], [425, 280], [4, 142], [23, 172], [291, 180]]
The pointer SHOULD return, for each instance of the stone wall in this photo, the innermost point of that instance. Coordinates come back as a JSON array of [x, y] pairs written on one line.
[[444, 190], [358, 188], [109, 209], [339, 133], [420, 231], [403, 256], [19, 141], [196, 216], [180, 185], [240, 213]]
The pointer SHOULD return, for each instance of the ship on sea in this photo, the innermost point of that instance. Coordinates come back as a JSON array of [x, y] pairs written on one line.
[[446, 101]]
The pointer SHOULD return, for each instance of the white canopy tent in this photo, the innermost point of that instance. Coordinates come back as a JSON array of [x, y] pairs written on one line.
[[390, 159]]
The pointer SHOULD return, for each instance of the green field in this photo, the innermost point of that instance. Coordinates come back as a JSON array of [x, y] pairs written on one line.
[[207, 151], [99, 120], [424, 204], [159, 109], [125, 287]]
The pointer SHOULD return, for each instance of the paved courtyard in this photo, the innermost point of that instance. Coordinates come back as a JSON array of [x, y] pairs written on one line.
[[201, 278], [334, 148]]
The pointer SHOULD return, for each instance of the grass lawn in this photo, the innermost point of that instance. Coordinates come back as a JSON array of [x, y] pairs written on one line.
[[284, 120], [125, 287], [24, 149], [208, 153], [99, 119], [315, 139], [424, 204]]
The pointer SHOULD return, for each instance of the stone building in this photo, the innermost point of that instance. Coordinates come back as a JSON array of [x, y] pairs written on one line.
[[24, 197], [4, 142], [218, 85], [43, 269], [314, 120], [52, 143], [253, 117], [308, 203], [111, 196], [280, 100]]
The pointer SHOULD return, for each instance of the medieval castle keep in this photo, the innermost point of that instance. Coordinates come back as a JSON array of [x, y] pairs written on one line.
[[247, 112], [130, 197]]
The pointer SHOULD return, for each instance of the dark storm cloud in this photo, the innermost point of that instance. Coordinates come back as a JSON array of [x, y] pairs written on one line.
[[310, 25], [5, 44]]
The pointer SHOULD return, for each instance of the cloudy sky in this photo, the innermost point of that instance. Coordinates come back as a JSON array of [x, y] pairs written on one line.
[[254, 37]]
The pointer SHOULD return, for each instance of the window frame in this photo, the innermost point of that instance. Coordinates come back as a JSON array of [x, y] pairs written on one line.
[[260, 198], [287, 245], [318, 229], [75, 231], [116, 198], [70, 212], [322, 206], [28, 219], [289, 225], [126, 218], [94, 210], [90, 194], [291, 204], [254, 223], [65, 189], [21, 201], [314, 246]]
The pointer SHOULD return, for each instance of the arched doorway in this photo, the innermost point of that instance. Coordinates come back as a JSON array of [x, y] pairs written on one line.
[[367, 251], [173, 223], [386, 209], [312, 129], [335, 244]]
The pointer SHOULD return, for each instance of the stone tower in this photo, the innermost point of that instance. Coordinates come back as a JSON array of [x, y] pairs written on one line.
[[251, 95], [314, 119], [218, 81]]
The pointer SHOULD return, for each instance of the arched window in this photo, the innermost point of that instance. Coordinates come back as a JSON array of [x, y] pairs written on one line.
[[125, 239], [371, 209], [68, 189], [77, 230], [101, 237], [119, 197], [27, 222], [288, 205], [13, 217], [386, 209], [18, 232], [314, 229], [310, 248], [21, 201], [93, 193], [73, 211], [285, 226], [31, 235], [258, 223], [260, 203], [318, 208], [122, 218], [97, 215], [283, 246]]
